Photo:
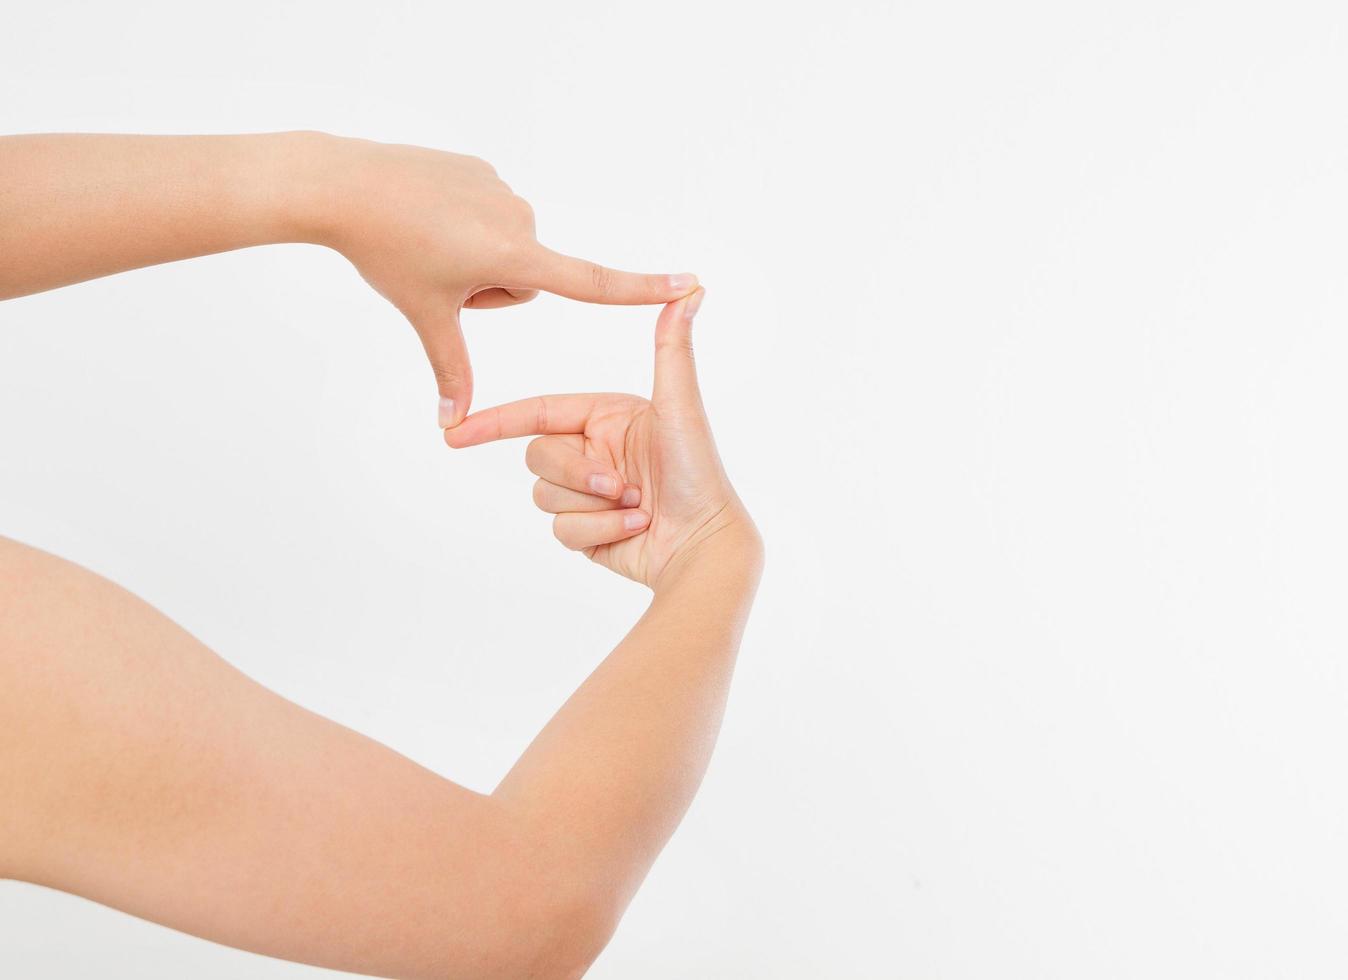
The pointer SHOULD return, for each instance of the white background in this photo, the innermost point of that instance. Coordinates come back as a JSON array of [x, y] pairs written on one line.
[[1024, 342]]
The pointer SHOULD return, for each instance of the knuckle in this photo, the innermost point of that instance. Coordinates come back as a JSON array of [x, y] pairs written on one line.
[[677, 345], [540, 494], [524, 211], [482, 164], [449, 375], [513, 232], [512, 251], [521, 257], [602, 278]]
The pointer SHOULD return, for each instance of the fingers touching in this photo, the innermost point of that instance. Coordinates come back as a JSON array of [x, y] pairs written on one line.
[[560, 460], [441, 335], [552, 499], [437, 324], [593, 283], [592, 504], [544, 415], [675, 373], [675, 386]]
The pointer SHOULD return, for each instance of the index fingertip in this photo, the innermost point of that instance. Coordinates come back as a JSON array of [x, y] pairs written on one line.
[[682, 284], [453, 439], [466, 433]]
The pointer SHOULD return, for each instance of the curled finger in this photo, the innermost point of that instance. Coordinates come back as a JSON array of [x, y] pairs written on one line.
[[560, 459], [580, 531], [553, 499]]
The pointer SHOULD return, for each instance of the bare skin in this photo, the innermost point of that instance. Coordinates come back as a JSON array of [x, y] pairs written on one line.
[[433, 232], [140, 770]]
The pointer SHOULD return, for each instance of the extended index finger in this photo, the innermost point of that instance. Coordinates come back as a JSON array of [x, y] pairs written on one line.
[[591, 282], [540, 416]]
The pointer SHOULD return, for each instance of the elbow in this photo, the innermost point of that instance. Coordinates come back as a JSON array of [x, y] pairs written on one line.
[[543, 905], [553, 943], [572, 939], [547, 939], [546, 924]]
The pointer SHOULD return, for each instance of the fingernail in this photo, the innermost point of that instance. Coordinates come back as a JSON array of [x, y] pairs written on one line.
[[631, 497], [683, 282], [636, 520], [603, 485], [446, 412], [691, 304]]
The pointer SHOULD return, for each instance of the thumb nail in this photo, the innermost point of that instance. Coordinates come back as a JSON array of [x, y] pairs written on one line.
[[446, 413]]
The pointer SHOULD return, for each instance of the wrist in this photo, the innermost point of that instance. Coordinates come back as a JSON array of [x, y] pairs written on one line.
[[730, 554], [296, 184]]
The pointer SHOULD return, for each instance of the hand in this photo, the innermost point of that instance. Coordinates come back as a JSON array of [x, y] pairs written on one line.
[[436, 232], [635, 484]]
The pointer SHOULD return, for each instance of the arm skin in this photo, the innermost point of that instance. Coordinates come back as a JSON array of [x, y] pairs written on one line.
[[79, 207], [140, 770], [433, 232]]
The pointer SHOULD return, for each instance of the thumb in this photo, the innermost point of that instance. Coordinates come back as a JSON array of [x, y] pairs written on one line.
[[675, 373], [438, 327]]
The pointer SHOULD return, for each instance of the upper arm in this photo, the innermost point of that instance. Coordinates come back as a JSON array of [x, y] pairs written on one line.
[[140, 770]]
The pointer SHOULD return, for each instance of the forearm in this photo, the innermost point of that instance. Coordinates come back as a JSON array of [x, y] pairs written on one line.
[[76, 207], [610, 777], [326, 847]]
